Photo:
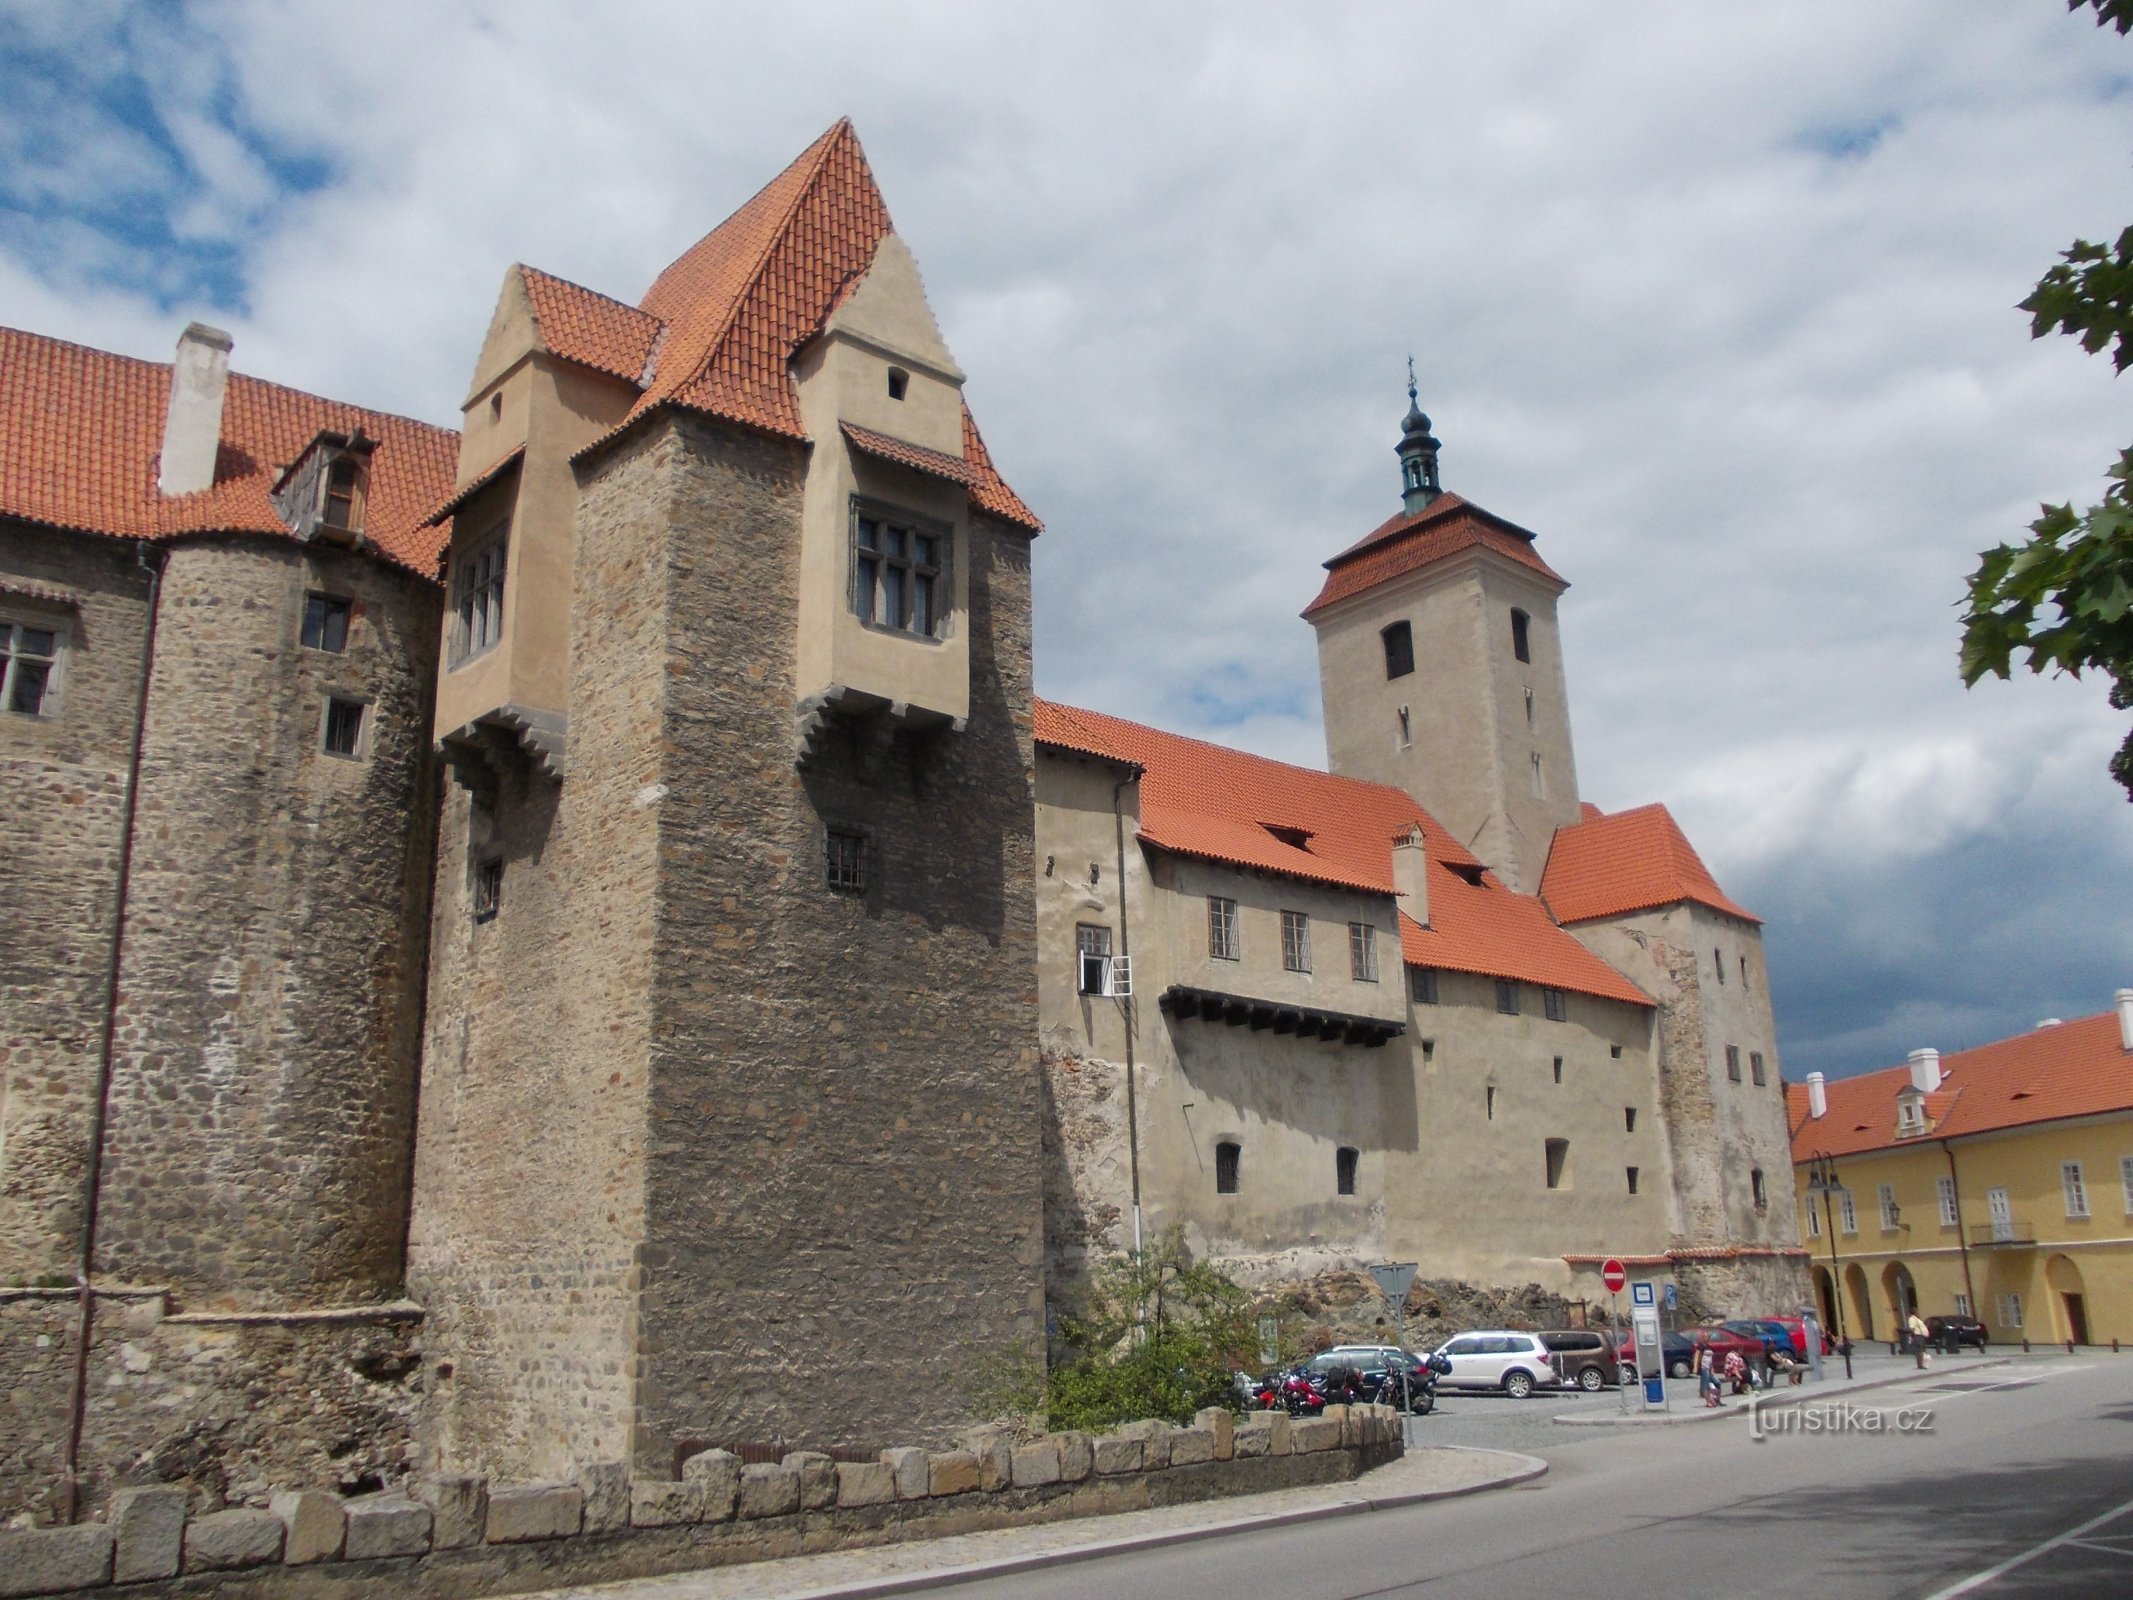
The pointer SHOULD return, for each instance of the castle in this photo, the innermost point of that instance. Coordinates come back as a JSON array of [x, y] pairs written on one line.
[[573, 939]]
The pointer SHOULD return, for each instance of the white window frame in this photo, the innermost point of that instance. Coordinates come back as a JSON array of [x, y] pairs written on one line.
[[1885, 1194], [1847, 1213], [1362, 952], [2075, 1188], [1962, 1305], [14, 625], [1814, 1219], [476, 619], [2010, 1311], [1296, 941], [363, 728], [1944, 1188], [1092, 958], [2125, 1181], [1222, 928]]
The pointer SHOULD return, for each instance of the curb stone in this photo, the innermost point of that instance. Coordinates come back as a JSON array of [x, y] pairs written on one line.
[[1518, 1469], [1806, 1396]]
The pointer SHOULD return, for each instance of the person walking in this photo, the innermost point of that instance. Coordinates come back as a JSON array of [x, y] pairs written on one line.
[[1707, 1376], [1919, 1335]]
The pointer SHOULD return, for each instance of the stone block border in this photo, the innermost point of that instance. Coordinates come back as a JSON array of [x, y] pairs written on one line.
[[439, 1537]]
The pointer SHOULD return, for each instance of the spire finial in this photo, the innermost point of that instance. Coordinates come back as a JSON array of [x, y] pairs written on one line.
[[1417, 451]]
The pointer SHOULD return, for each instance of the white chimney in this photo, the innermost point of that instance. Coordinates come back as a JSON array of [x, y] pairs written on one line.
[[1410, 873], [1925, 1070], [1817, 1095], [192, 427], [2124, 997], [2048, 1022]]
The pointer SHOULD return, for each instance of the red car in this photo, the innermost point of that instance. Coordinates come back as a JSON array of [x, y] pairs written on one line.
[[1723, 1342], [1797, 1327]]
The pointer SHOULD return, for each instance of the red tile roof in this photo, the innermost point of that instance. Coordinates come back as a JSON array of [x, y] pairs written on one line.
[[902, 453], [1209, 801], [1626, 861], [2074, 1069], [590, 329], [717, 330], [81, 431], [1410, 541]]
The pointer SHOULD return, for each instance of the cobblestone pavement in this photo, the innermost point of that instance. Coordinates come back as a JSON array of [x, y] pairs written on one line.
[[1423, 1472]]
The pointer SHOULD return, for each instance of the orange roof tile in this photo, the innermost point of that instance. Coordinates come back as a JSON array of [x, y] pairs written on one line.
[[81, 431], [1628, 861], [717, 330], [2075, 1069], [586, 327], [1410, 541], [1209, 801], [903, 453]]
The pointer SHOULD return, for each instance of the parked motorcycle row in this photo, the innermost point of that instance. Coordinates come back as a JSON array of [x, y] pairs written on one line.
[[1306, 1390]]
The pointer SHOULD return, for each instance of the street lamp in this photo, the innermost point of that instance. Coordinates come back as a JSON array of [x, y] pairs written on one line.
[[1822, 1180]]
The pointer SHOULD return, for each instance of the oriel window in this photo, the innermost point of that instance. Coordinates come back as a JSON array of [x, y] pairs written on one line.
[[899, 573], [478, 597]]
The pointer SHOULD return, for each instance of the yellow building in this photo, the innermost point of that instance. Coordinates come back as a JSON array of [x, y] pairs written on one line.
[[1995, 1183]]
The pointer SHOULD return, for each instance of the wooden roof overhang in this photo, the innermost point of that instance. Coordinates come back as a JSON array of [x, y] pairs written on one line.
[[1240, 1011]]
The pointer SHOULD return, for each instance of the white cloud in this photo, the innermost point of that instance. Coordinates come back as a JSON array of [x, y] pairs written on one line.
[[1718, 299]]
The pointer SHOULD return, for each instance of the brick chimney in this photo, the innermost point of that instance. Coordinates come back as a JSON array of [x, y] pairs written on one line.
[[192, 426], [1410, 873]]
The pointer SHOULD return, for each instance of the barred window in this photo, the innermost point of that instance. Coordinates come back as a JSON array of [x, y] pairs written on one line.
[[488, 888], [1227, 1155], [846, 865], [1296, 941], [1221, 928], [1362, 952]]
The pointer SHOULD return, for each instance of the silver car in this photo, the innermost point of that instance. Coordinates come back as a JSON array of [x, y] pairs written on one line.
[[1516, 1363]]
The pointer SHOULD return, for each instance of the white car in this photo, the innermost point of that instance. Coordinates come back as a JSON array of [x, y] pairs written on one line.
[[1516, 1363]]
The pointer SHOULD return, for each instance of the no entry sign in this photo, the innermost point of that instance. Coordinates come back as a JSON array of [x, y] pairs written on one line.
[[1612, 1275]]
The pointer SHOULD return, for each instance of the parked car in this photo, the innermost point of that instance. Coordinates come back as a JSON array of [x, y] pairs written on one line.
[[1794, 1329], [1723, 1341], [1967, 1330], [1769, 1333], [1680, 1357], [1516, 1363], [1584, 1356]]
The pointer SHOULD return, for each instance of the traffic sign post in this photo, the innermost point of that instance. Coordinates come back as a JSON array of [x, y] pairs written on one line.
[[1613, 1275], [1394, 1279]]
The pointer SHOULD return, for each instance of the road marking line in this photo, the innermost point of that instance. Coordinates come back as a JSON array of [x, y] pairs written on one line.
[[1979, 1580]]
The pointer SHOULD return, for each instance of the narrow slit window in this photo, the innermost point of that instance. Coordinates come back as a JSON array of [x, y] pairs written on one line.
[[1344, 1164], [1733, 1063], [488, 888], [1629, 1119], [1521, 639], [1558, 1069], [1755, 1066], [1558, 1157], [899, 383], [1489, 1102], [1632, 1180], [1757, 1189]]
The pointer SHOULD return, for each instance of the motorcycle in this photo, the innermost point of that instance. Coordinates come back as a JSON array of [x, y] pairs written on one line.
[[1293, 1392], [1418, 1394]]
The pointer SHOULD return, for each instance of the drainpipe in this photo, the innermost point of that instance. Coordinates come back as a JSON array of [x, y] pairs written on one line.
[[1962, 1234], [1125, 949], [152, 559]]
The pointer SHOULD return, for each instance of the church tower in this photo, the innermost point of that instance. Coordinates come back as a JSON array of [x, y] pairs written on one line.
[[1441, 668]]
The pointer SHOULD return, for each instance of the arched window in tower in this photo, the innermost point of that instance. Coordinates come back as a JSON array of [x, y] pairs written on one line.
[[1399, 650], [1521, 646]]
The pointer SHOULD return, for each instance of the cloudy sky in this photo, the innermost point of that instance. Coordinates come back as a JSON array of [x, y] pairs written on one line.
[[1716, 297]]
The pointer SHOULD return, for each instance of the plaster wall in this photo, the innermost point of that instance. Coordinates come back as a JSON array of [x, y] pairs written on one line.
[[843, 376], [62, 798], [1468, 759]]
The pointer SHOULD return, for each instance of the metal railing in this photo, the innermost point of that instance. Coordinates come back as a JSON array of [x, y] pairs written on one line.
[[1984, 1235]]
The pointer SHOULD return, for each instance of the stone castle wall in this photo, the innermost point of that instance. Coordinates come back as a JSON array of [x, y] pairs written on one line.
[[529, 1209], [62, 802], [843, 1207], [262, 1096]]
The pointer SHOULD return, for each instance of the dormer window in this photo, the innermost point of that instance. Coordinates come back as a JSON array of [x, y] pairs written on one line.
[[1910, 1112], [321, 493], [343, 507], [899, 383]]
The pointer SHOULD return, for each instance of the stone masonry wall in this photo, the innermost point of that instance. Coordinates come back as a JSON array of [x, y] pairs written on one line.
[[223, 1407], [62, 796], [844, 1209], [529, 1204], [262, 1096]]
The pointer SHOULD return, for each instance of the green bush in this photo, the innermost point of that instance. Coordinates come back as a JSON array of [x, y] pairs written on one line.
[[1156, 1337]]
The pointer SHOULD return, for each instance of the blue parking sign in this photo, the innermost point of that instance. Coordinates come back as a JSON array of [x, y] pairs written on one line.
[[1671, 1303]]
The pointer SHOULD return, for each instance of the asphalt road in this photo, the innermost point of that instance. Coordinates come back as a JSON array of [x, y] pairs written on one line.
[[2019, 1482]]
